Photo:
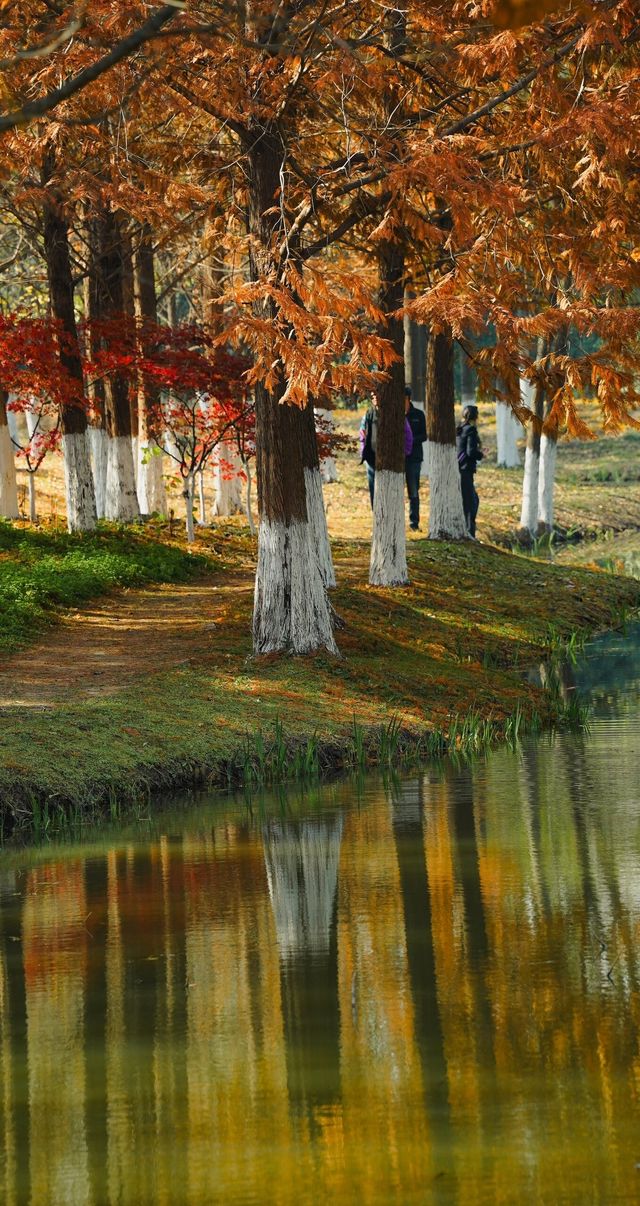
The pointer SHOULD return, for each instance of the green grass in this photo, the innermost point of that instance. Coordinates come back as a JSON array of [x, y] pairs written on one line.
[[47, 568], [439, 665]]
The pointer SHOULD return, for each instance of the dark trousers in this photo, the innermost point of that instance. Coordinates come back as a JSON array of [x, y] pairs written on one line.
[[412, 474], [470, 500], [371, 477]]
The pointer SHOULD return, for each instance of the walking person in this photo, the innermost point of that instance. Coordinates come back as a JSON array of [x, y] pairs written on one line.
[[368, 436], [469, 449], [413, 461]]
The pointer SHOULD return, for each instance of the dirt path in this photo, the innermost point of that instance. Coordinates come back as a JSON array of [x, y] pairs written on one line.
[[117, 641]]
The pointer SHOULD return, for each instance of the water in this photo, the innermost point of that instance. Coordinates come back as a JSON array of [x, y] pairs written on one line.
[[424, 990]]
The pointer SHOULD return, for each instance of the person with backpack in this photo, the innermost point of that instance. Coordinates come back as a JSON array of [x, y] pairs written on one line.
[[469, 449], [368, 436], [413, 460]]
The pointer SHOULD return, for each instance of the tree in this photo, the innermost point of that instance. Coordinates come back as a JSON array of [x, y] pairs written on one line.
[[79, 488]]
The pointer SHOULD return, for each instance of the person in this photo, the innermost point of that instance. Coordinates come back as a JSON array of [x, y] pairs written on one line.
[[368, 436], [413, 462], [469, 449]]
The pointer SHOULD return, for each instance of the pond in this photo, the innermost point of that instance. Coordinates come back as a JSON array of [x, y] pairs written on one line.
[[420, 989]]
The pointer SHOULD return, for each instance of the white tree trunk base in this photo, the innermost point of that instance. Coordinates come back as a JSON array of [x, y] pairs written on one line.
[[8, 480], [529, 513], [508, 432], [318, 523], [388, 565], [121, 500], [78, 482], [291, 609], [446, 514], [547, 482], [152, 495], [98, 443]]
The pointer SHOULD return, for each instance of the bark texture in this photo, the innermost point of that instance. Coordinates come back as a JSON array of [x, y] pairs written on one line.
[[446, 516], [152, 497], [291, 608], [388, 565], [121, 502], [79, 490]]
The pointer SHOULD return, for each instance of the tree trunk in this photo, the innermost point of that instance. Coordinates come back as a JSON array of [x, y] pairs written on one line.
[[529, 514], [328, 470], [248, 511], [415, 355], [33, 510], [152, 497], [228, 489], [202, 500], [13, 422], [291, 608], [388, 566], [508, 431], [121, 501], [549, 445], [446, 516], [188, 503], [97, 431], [315, 499], [546, 482], [8, 480], [32, 427], [79, 488]]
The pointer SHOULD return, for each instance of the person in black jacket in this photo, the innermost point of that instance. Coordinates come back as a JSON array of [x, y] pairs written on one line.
[[413, 462], [469, 450]]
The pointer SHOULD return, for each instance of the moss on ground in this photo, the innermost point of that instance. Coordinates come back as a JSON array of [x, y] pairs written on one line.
[[459, 639]]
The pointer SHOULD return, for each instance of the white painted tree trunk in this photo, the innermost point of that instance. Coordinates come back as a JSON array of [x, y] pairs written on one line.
[[328, 469], [188, 495], [152, 495], [202, 501], [134, 453], [98, 444], [32, 428], [247, 497], [121, 500], [78, 482], [508, 432], [546, 482], [388, 565], [8, 479], [228, 489], [318, 523], [529, 513], [33, 510], [291, 608], [446, 515], [13, 422]]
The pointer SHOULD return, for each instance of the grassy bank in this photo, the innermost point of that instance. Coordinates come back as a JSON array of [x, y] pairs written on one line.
[[42, 570], [456, 643]]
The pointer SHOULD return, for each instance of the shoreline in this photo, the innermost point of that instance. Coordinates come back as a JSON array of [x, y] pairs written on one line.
[[440, 663]]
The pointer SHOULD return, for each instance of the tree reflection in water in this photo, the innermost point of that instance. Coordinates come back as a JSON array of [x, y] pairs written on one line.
[[431, 988]]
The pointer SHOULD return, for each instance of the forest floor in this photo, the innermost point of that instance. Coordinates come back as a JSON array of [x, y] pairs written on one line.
[[154, 686]]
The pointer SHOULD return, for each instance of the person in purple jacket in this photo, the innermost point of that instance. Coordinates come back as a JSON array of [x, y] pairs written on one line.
[[368, 436]]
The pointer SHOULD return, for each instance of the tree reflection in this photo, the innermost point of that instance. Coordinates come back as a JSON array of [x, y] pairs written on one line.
[[301, 859]]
